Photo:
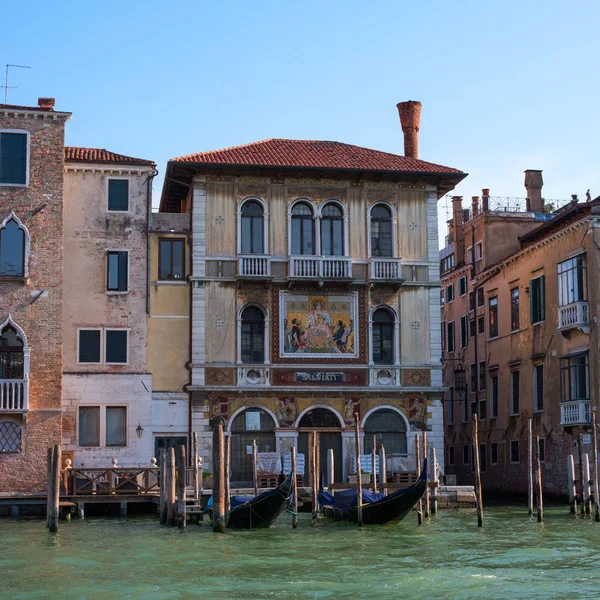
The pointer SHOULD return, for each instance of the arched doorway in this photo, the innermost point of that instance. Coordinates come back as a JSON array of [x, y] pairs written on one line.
[[250, 424], [389, 429], [328, 429]]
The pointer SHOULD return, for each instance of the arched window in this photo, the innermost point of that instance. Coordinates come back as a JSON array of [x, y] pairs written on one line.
[[252, 228], [251, 424], [381, 231], [253, 336], [12, 249], [319, 417], [303, 234], [383, 337], [389, 428], [11, 354], [10, 437], [332, 230]]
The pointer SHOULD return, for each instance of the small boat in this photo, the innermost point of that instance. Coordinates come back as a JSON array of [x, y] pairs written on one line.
[[377, 509], [259, 511]]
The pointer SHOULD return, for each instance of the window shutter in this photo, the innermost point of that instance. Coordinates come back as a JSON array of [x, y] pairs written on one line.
[[532, 300], [13, 158], [542, 298], [123, 271]]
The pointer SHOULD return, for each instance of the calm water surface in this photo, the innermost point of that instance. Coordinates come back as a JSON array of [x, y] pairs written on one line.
[[449, 557]]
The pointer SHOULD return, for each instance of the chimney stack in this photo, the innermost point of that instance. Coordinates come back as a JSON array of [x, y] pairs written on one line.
[[410, 119], [533, 185], [474, 206], [459, 239], [46, 103], [485, 199]]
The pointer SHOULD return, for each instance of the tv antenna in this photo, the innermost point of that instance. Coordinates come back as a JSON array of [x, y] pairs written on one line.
[[12, 87]]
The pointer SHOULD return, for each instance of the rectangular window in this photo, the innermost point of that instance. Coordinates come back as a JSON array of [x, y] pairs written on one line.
[[479, 297], [171, 259], [450, 293], [473, 377], [482, 457], [451, 406], [494, 395], [478, 251], [494, 453], [575, 377], [542, 449], [116, 426], [465, 409], [481, 324], [472, 328], [572, 281], [118, 195], [537, 299], [464, 331], [442, 293], [116, 271], [515, 456], [538, 388], [514, 309], [116, 346], [450, 455], [515, 391], [471, 300], [89, 425], [450, 337], [466, 454], [89, 346], [462, 286], [493, 316], [13, 158], [482, 376], [443, 325], [482, 409]]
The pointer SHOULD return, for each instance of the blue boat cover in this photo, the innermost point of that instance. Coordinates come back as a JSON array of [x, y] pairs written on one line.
[[343, 500], [237, 500]]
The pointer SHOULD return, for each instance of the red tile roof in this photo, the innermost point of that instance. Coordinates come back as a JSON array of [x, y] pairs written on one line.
[[16, 107], [98, 155], [313, 154]]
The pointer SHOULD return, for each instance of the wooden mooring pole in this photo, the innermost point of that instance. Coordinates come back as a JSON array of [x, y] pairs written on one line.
[[434, 480], [195, 467], [358, 473], [374, 464], [171, 494], [55, 478], [478, 494], [227, 474], [418, 460], [587, 492], [294, 489], [219, 479], [581, 483], [181, 488], [50, 461], [163, 488], [427, 488], [530, 467], [382, 470], [330, 468], [255, 466], [314, 474], [571, 484], [538, 481], [595, 467]]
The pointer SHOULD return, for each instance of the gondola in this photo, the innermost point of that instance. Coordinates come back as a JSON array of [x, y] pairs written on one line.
[[260, 511], [377, 509]]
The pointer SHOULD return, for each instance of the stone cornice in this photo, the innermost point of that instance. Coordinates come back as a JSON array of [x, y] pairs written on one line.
[[115, 169], [35, 114]]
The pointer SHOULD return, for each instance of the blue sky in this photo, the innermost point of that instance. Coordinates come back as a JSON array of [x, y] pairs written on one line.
[[505, 86]]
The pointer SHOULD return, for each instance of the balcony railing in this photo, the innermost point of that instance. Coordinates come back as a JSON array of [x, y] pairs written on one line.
[[573, 315], [320, 267], [385, 269], [254, 266], [14, 395], [575, 412]]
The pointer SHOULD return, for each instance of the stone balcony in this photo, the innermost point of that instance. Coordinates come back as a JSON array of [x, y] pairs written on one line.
[[385, 269], [574, 316], [320, 267], [14, 395], [575, 412], [254, 266]]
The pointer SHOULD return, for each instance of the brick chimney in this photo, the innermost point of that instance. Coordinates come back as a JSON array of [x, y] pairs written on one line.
[[46, 103], [459, 239], [410, 119], [485, 199], [533, 185], [474, 206]]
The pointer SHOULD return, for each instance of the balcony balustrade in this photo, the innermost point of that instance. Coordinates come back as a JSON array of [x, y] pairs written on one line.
[[385, 269], [575, 412], [254, 266], [320, 267], [573, 316], [14, 395]]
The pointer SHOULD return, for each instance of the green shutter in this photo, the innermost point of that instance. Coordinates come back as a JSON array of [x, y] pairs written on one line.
[[13, 158], [122, 271], [542, 295], [118, 194]]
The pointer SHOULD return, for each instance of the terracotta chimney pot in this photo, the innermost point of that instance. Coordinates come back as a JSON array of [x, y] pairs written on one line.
[[46, 103], [410, 119]]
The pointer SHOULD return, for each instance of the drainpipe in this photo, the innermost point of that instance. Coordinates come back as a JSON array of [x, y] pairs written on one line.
[[148, 213]]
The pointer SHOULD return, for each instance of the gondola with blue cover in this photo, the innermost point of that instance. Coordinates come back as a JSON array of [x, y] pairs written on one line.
[[377, 509]]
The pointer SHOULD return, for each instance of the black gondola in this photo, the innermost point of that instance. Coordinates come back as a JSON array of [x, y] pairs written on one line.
[[262, 510], [377, 509]]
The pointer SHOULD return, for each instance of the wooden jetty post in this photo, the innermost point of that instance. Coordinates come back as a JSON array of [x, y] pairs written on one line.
[[538, 481], [50, 461], [530, 466], [382, 470], [358, 473], [595, 467], [171, 503], [586, 484], [255, 466], [163, 488], [427, 489], [227, 492], [181, 487], [294, 489], [195, 467], [330, 468], [55, 479], [418, 461], [478, 494], [580, 451], [314, 474], [434, 480], [219, 478], [571, 483], [374, 464]]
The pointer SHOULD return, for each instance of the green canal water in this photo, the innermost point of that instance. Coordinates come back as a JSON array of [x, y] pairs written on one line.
[[449, 557]]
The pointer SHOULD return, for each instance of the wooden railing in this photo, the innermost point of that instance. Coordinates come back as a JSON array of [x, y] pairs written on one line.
[[14, 395], [113, 481]]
